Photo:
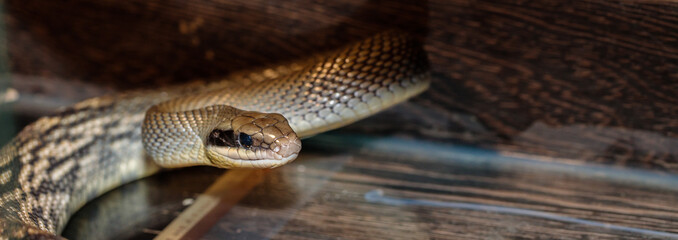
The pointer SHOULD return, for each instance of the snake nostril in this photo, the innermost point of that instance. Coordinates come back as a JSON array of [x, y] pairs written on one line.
[[288, 146]]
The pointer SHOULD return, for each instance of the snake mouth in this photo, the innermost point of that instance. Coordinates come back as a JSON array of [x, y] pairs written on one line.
[[229, 162], [265, 163], [231, 157]]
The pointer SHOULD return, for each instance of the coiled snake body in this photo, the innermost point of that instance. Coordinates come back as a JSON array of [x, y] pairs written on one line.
[[58, 163]]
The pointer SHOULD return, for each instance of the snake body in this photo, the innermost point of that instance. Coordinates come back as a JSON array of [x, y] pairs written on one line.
[[58, 163]]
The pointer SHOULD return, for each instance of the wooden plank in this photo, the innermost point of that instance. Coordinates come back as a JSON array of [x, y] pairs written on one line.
[[209, 206], [333, 194], [342, 209]]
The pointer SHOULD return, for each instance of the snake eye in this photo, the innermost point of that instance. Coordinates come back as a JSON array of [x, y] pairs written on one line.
[[245, 140]]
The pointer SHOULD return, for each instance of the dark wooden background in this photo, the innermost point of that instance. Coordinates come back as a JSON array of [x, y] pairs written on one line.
[[582, 80]]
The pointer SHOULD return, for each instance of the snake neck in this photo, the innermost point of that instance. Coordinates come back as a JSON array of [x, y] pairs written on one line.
[[58, 163]]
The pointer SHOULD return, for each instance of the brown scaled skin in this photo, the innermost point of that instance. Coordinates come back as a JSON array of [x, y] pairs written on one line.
[[269, 131]]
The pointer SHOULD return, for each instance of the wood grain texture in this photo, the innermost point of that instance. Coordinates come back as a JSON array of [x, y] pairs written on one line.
[[324, 195], [538, 77]]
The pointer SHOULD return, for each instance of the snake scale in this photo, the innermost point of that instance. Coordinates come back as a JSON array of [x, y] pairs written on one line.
[[58, 163]]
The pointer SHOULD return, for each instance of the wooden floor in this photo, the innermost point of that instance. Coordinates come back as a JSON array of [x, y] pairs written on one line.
[[359, 192]]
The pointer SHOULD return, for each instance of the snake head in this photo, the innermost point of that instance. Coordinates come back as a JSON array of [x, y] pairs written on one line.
[[253, 140]]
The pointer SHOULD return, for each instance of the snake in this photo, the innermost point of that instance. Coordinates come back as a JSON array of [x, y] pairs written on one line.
[[58, 163]]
